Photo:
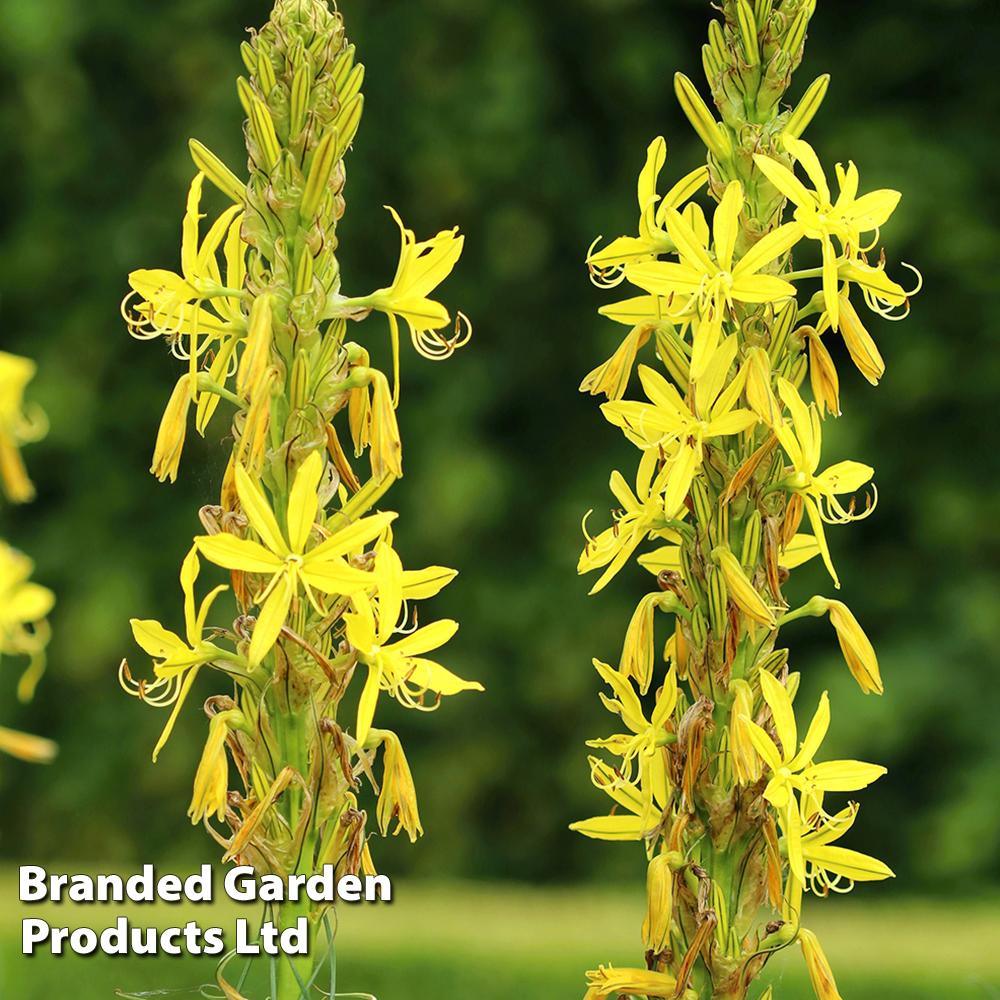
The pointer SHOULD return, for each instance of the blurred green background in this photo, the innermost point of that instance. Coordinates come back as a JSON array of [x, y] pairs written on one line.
[[525, 122]]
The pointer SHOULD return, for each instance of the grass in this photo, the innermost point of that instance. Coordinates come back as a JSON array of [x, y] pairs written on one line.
[[487, 942]]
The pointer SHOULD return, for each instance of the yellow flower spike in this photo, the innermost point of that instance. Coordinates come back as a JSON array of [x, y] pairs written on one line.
[[820, 973], [659, 903], [822, 220], [422, 267], [792, 769], [823, 375], [715, 283], [603, 982], [288, 562], [741, 589], [211, 780], [398, 798], [17, 426], [172, 432], [24, 746]]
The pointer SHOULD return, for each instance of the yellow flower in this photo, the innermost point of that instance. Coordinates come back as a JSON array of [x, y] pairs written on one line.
[[165, 307], [792, 769], [397, 667], [179, 661], [652, 239], [712, 280], [802, 442], [668, 426], [285, 558], [746, 763], [647, 737], [398, 798], [17, 426], [422, 267], [619, 826], [641, 517], [817, 218], [23, 603], [823, 860]]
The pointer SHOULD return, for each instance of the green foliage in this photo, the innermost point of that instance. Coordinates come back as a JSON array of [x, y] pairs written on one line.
[[488, 113]]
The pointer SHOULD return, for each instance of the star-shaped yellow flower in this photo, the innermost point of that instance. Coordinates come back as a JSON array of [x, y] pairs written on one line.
[[802, 441], [818, 218], [713, 280], [285, 556], [398, 667]]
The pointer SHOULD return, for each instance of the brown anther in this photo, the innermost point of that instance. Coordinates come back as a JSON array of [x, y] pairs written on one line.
[[774, 926], [670, 579]]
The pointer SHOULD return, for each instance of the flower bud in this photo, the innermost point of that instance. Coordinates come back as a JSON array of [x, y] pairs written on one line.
[[824, 985], [173, 429], [398, 799], [709, 130], [741, 589], [823, 375], [659, 905]]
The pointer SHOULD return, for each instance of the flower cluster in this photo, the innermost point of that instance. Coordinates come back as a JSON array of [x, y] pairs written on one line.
[[729, 803], [24, 605], [258, 316]]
